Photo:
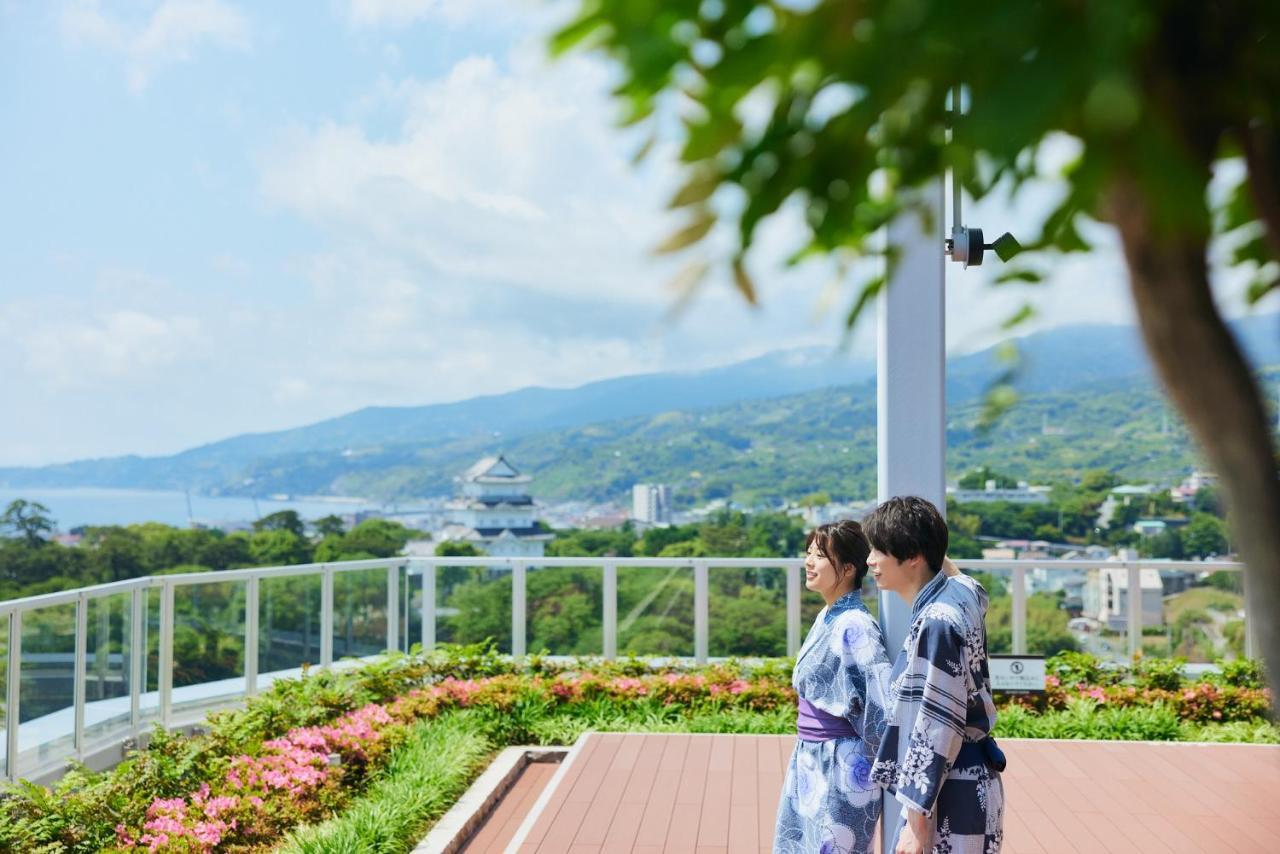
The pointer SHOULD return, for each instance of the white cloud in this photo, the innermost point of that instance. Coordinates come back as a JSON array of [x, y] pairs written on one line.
[[124, 345], [402, 13], [173, 33], [495, 176]]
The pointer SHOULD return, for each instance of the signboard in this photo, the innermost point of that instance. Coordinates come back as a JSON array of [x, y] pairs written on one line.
[[1017, 673]]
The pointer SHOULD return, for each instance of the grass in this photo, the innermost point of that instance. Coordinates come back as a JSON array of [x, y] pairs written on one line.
[[424, 777], [1201, 599]]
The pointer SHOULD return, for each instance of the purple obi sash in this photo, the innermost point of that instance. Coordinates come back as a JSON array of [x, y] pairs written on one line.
[[813, 724]]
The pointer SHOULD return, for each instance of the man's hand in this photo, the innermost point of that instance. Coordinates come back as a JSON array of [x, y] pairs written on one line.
[[915, 835]]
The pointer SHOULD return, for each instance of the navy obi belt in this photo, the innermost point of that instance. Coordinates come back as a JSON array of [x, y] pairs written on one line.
[[813, 724]]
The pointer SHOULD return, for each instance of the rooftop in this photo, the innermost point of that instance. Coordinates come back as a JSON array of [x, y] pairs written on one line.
[[650, 793]]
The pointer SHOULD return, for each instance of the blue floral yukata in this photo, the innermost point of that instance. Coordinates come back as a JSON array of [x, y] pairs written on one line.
[[931, 757], [829, 803]]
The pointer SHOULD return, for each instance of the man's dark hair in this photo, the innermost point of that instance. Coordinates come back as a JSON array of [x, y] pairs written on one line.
[[844, 544], [906, 526]]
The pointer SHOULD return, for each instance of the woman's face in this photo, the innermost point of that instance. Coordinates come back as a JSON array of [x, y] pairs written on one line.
[[820, 574]]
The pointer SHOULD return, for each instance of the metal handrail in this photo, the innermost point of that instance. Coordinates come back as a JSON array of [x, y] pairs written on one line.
[[424, 568]]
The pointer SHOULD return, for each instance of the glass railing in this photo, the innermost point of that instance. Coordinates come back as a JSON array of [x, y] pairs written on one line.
[[85, 670]]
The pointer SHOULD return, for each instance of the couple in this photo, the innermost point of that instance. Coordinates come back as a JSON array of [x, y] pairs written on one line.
[[919, 731]]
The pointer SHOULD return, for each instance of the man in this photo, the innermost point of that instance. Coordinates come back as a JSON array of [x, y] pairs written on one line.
[[936, 756]]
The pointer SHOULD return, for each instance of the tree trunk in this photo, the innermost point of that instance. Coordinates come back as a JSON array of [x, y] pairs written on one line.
[[1212, 385]]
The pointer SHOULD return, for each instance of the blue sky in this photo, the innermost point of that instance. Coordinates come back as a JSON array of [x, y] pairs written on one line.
[[221, 217]]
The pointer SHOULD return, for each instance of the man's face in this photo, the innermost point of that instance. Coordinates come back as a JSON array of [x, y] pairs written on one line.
[[890, 573]]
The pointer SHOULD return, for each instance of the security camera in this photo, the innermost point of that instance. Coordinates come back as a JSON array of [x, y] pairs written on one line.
[[966, 246]]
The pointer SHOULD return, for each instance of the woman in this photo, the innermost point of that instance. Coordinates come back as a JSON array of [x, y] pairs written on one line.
[[936, 757], [829, 803]]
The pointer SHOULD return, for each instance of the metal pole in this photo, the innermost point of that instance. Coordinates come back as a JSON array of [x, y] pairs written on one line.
[[429, 607], [701, 611], [252, 594], [166, 653], [610, 610], [518, 626], [1019, 591], [393, 607], [326, 617], [81, 669], [1134, 573], [13, 686], [793, 609], [911, 393], [137, 660]]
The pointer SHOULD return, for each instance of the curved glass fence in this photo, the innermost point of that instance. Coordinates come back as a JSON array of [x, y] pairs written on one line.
[[84, 670]]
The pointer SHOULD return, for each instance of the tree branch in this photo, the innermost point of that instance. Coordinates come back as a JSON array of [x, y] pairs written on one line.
[[1261, 146], [1212, 385]]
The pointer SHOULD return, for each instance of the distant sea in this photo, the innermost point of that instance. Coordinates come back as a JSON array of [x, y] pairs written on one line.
[[71, 508]]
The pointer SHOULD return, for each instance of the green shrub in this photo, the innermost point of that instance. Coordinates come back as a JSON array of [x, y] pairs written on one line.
[[1164, 674], [1241, 673], [418, 784], [1250, 732], [1073, 668]]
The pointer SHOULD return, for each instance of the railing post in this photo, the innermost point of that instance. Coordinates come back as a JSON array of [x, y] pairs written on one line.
[[326, 616], [429, 607], [80, 668], [1250, 636], [252, 593], [518, 627], [13, 686], [1134, 572], [1019, 615], [166, 652], [793, 609], [393, 607], [137, 660], [610, 610], [700, 611]]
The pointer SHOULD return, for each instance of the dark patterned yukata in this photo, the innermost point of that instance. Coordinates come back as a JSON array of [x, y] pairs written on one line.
[[829, 803], [931, 756]]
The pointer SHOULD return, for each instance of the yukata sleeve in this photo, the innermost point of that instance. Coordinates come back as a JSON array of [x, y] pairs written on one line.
[[935, 679], [862, 680]]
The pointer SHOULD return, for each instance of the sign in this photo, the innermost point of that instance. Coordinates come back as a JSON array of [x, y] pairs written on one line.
[[1017, 673]]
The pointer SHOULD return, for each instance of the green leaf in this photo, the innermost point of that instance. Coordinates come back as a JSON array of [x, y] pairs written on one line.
[[1263, 285], [742, 281], [869, 292], [1019, 317], [689, 235], [697, 189], [1031, 277]]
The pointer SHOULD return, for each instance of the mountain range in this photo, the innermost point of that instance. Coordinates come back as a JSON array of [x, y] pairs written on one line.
[[400, 452]]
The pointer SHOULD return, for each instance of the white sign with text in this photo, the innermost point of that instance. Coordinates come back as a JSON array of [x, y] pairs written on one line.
[[1017, 672]]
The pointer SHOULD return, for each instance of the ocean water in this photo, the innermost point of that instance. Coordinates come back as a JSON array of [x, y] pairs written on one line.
[[71, 508]]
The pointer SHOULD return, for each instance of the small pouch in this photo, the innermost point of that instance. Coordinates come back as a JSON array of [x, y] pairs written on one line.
[[993, 755]]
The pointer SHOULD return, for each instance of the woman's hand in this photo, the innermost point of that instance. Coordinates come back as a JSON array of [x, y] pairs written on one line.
[[949, 569], [914, 837]]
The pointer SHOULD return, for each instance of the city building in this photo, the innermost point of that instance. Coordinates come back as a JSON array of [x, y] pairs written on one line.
[[1192, 484], [1106, 597], [651, 503], [494, 511], [1021, 494]]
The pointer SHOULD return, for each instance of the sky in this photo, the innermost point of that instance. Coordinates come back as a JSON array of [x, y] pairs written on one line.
[[220, 217]]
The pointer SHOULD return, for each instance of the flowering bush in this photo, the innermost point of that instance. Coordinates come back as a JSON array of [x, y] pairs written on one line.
[[1236, 694], [307, 747]]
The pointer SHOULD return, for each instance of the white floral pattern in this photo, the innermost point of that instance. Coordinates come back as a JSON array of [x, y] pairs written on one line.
[[829, 801], [940, 700]]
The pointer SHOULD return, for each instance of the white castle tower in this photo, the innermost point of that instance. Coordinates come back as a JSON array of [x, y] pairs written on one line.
[[495, 512]]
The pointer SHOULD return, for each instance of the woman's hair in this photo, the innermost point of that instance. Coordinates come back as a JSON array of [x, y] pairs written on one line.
[[906, 526], [844, 544]]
